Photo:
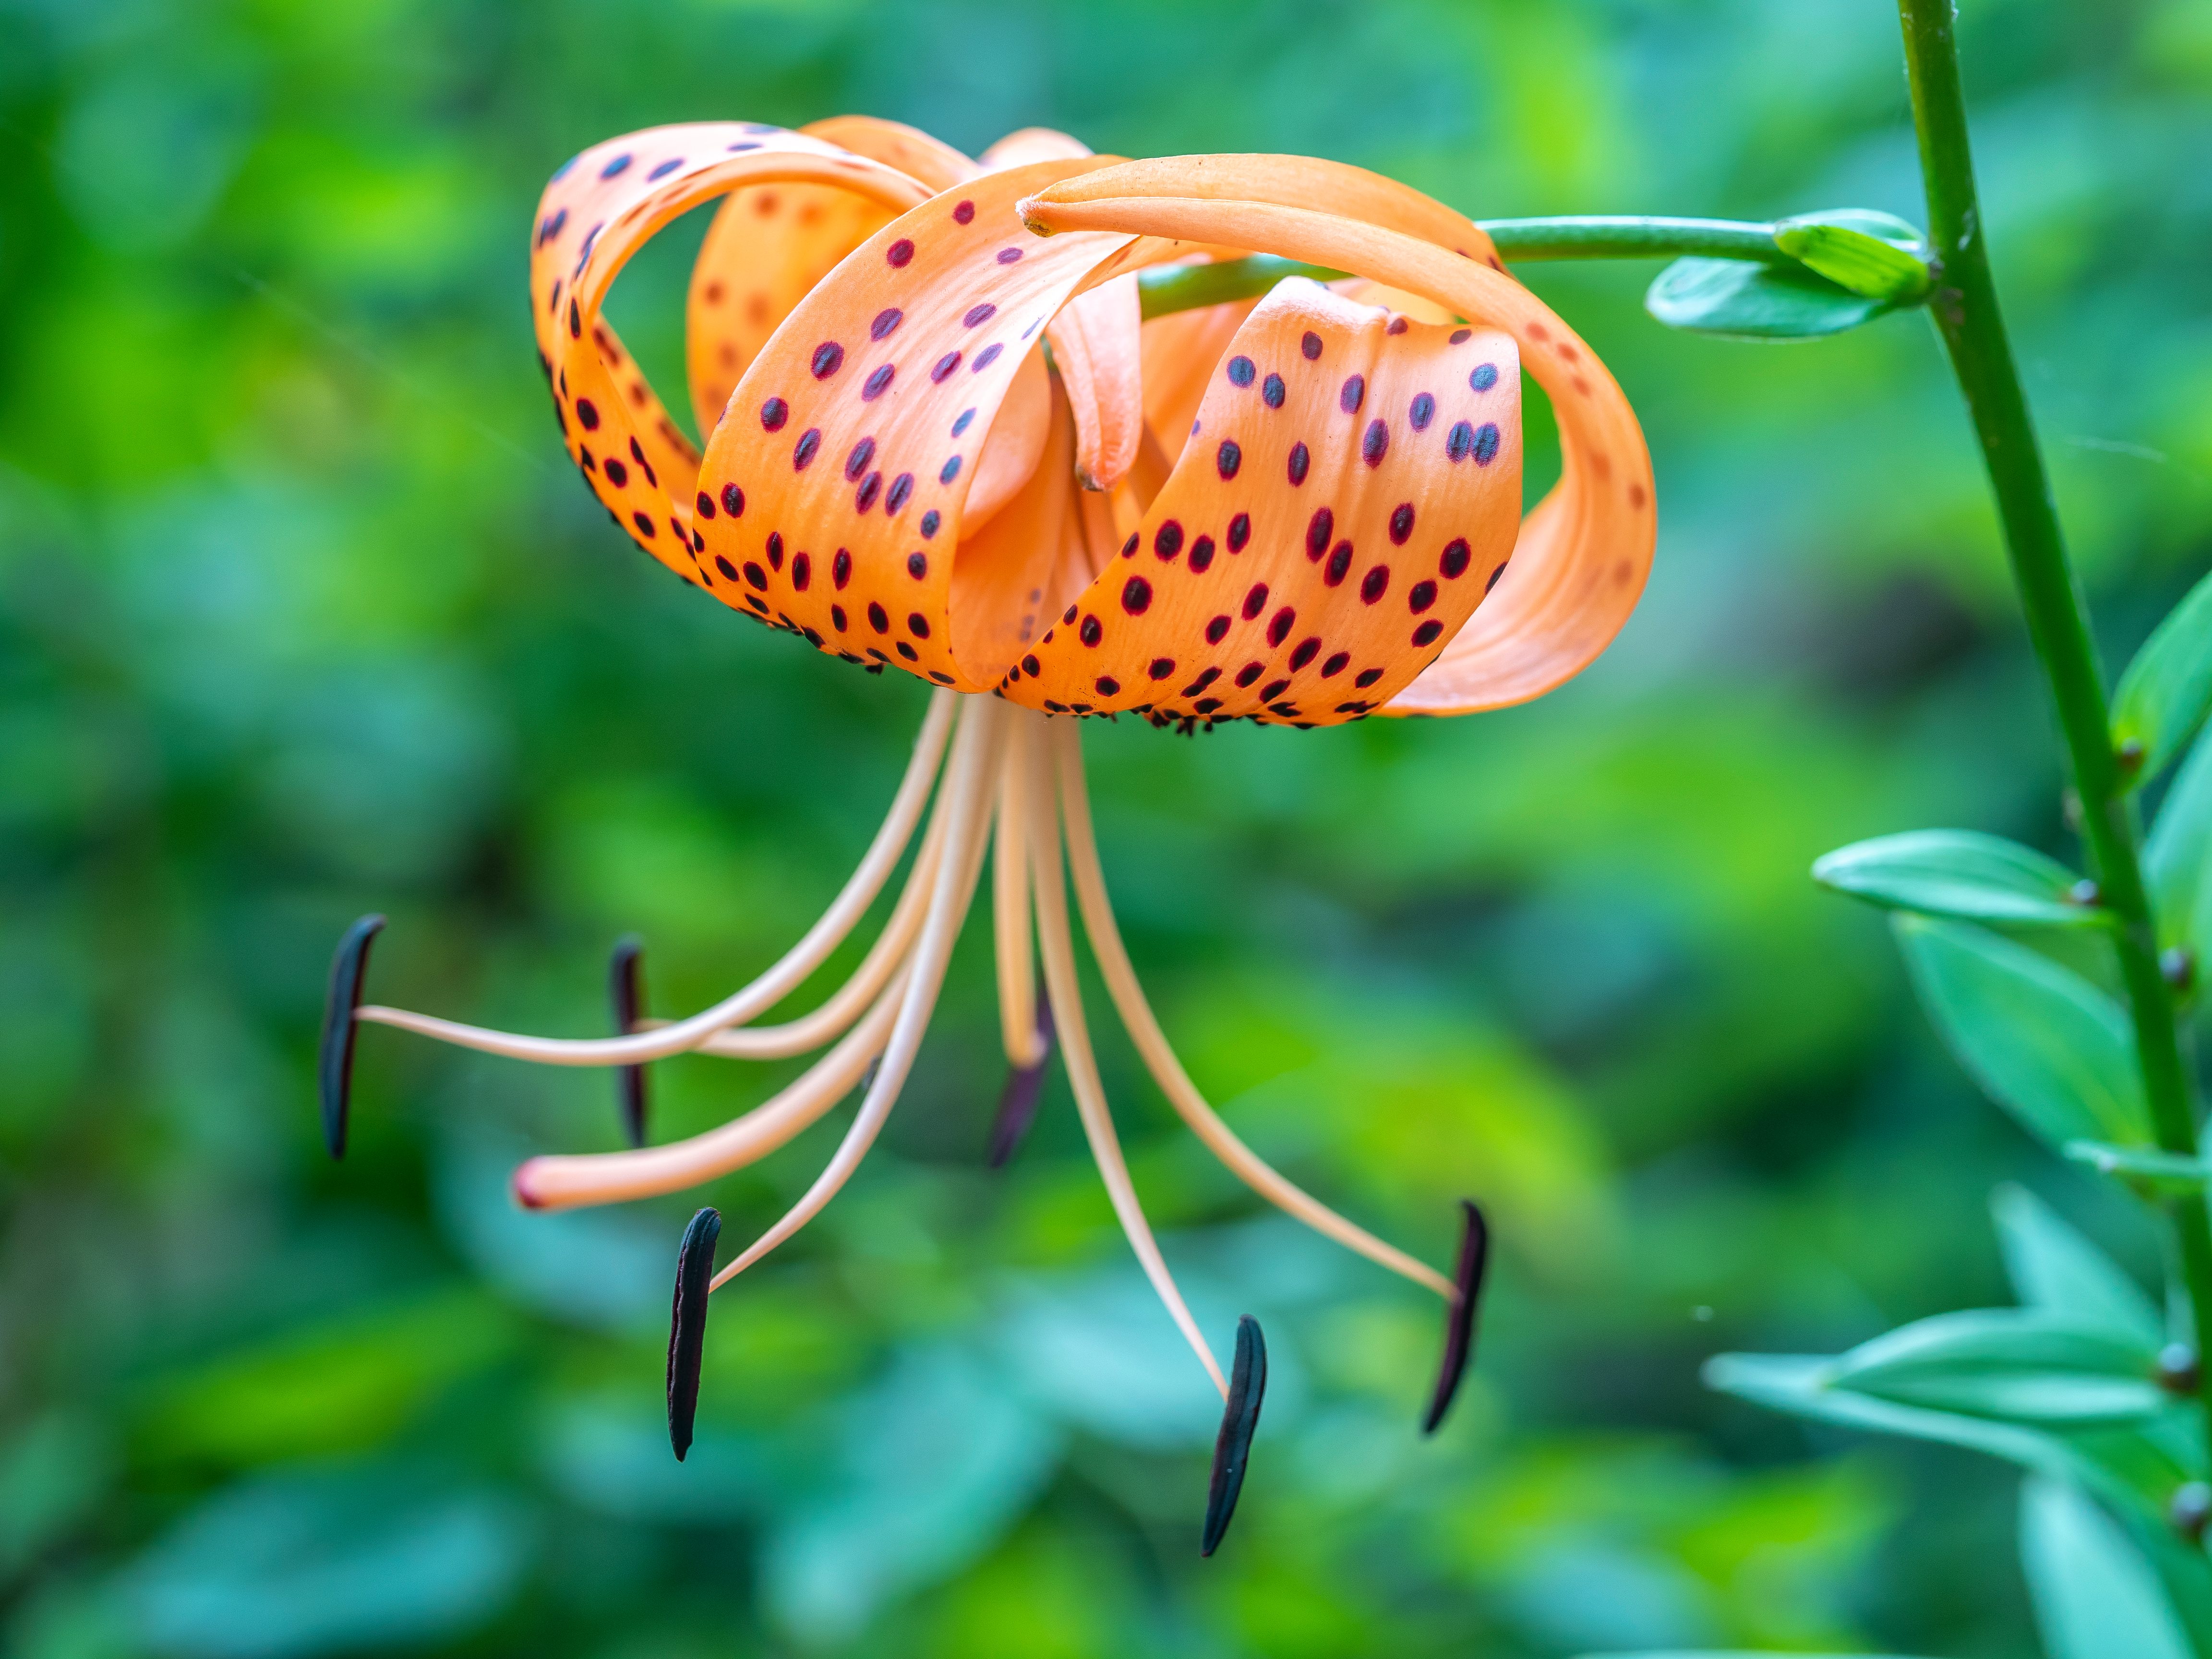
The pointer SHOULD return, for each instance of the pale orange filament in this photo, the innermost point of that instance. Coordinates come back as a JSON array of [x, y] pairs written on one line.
[[1057, 947], [969, 780], [1010, 907], [763, 993], [1167, 1071]]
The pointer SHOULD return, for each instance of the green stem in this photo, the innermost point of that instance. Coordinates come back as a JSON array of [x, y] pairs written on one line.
[[1964, 308], [1166, 288]]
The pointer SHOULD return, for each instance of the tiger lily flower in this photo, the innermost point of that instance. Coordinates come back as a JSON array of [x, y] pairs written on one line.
[[943, 439]]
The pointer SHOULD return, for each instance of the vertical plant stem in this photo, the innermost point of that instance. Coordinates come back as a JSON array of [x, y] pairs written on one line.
[[1964, 308]]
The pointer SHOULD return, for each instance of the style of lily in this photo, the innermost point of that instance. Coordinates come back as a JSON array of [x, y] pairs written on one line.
[[945, 439]]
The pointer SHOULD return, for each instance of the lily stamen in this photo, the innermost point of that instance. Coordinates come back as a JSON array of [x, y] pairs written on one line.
[[757, 997]]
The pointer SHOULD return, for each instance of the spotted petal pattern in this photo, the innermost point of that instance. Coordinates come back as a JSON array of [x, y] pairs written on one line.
[[1350, 487]]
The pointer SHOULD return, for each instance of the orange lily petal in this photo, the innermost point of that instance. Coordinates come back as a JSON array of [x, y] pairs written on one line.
[[767, 246], [1004, 577], [1181, 352], [1345, 499], [845, 468], [595, 213], [770, 244], [932, 161], [1094, 339], [1582, 564]]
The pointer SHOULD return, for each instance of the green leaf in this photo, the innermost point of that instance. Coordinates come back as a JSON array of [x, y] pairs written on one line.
[[2053, 1266], [2164, 693], [2179, 853], [2153, 1170], [1732, 1653], [2094, 1594], [2042, 1042], [1747, 300], [1959, 873], [2021, 1364], [1869, 253]]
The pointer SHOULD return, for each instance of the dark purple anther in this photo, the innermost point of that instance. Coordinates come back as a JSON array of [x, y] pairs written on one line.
[[625, 990], [334, 1065], [1459, 1318]]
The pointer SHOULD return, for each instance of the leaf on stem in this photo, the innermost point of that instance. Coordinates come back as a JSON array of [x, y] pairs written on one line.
[[2178, 855], [2053, 1266], [2040, 1040], [2166, 689], [1747, 300], [2143, 1167], [2094, 1592], [2017, 1364], [1873, 255], [1963, 873]]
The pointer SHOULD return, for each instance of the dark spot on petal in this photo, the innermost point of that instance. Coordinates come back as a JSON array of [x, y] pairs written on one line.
[[917, 565], [1240, 532], [949, 471], [733, 500], [775, 549], [917, 624], [1352, 394], [1136, 596], [840, 569], [886, 321], [1334, 666], [1201, 554], [1256, 601], [1453, 561], [617, 474], [1107, 686], [802, 573], [944, 367], [877, 383], [1161, 667], [728, 570], [828, 358], [1301, 463], [1375, 443], [1485, 443], [1280, 626], [899, 252], [1423, 411], [1272, 390], [1250, 671], [755, 576], [803, 452], [930, 520], [1459, 442], [1310, 346], [588, 413], [1228, 458], [1339, 564], [1427, 632], [1241, 370], [856, 463], [1374, 584], [1217, 630], [980, 314], [1319, 529], [964, 213], [1420, 597], [878, 618], [1484, 378], [1167, 540], [1090, 632], [774, 413], [984, 358]]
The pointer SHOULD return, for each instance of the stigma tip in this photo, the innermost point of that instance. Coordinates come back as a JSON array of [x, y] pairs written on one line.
[[1459, 1317], [626, 992], [1232, 1447], [687, 1324], [334, 1063], [1017, 1101]]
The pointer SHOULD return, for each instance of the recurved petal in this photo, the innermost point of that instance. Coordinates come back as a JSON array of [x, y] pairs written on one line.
[[853, 445], [1096, 344], [595, 213], [767, 246], [1020, 149], [1354, 480], [1582, 565], [1181, 352], [930, 160]]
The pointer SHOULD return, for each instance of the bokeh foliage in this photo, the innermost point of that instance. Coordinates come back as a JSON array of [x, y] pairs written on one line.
[[301, 617]]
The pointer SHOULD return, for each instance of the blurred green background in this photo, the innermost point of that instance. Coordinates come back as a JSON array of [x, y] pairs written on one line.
[[301, 614]]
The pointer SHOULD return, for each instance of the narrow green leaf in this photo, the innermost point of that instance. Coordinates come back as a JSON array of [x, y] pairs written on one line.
[[1871, 254], [2164, 693], [1959, 873], [1733, 1653], [2020, 1364], [2094, 1596], [1745, 299], [2144, 1166], [2053, 1266], [2178, 855], [2040, 1040]]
